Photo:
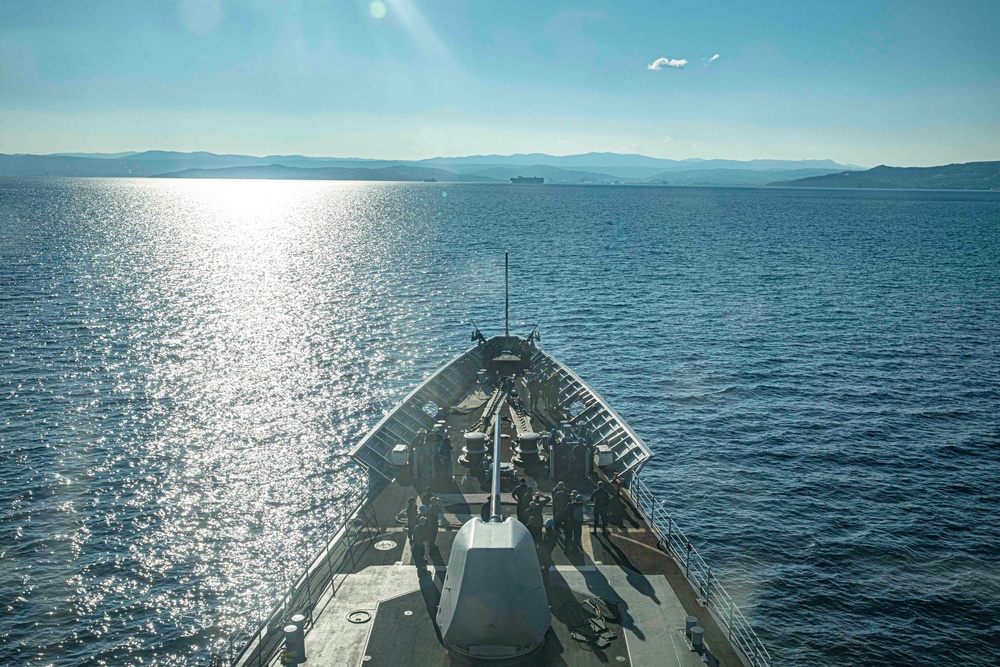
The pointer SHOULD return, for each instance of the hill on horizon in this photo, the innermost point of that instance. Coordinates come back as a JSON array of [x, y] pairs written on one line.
[[277, 171], [965, 176], [583, 168]]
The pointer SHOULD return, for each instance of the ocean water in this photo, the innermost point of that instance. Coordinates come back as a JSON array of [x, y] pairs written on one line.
[[185, 364]]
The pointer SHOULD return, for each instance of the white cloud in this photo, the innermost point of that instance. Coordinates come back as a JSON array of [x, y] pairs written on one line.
[[705, 62], [660, 63], [713, 58]]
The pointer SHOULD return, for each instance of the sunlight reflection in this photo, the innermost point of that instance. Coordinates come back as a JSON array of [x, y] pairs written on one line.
[[243, 363], [420, 30]]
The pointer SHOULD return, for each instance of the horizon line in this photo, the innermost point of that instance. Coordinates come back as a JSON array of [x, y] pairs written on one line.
[[70, 153]]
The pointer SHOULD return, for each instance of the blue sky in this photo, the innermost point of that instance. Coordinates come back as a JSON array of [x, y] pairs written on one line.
[[909, 83]]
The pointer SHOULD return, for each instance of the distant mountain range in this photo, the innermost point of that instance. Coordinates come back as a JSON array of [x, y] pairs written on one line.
[[585, 168], [276, 171], [968, 176]]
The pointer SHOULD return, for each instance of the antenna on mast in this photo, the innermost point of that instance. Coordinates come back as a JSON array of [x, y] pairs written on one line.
[[506, 293]]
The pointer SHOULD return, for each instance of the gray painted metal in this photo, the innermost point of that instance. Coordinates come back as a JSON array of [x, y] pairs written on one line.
[[493, 601], [495, 488], [457, 379]]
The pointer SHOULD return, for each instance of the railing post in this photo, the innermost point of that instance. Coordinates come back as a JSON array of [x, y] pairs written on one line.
[[708, 587], [687, 563], [732, 605]]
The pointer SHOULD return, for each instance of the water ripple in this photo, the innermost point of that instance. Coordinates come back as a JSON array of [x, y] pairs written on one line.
[[184, 365]]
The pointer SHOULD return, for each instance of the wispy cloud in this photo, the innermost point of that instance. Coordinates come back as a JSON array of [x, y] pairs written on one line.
[[660, 63], [713, 58]]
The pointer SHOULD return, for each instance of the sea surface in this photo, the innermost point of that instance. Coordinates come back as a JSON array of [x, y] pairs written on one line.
[[184, 366]]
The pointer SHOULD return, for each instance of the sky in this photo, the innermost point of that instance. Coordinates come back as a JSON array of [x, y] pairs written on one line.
[[908, 84]]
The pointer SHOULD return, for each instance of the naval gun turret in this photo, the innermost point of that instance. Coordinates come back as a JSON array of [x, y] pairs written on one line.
[[493, 603]]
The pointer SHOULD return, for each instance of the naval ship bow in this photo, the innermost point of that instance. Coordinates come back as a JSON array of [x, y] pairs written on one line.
[[488, 589]]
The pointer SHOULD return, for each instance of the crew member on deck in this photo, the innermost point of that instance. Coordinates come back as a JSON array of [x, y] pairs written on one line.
[[434, 511], [533, 510], [534, 390], [520, 491], [560, 499], [418, 458], [600, 498], [574, 522], [411, 517], [535, 528], [444, 458], [616, 508], [523, 501], [419, 547], [545, 547]]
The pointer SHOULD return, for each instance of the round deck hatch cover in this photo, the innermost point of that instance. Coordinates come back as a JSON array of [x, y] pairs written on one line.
[[359, 616], [385, 545]]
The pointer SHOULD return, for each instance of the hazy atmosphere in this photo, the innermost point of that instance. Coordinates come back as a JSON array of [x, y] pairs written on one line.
[[862, 83], [366, 333]]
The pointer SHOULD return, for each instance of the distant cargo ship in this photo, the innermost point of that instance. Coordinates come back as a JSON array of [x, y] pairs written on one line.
[[527, 180]]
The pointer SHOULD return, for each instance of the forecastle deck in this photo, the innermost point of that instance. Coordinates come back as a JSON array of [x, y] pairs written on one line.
[[365, 601]]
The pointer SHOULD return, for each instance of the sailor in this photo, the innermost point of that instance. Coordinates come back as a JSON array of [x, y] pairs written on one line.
[[535, 527], [426, 495], [551, 400], [560, 499], [434, 511], [444, 458], [519, 490], [558, 450], [535, 389], [541, 501], [533, 510], [432, 448], [411, 517], [523, 501], [600, 498], [616, 508], [418, 457], [574, 522], [418, 547], [549, 540], [551, 536]]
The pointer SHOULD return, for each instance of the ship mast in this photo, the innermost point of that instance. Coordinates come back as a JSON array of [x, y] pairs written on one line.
[[506, 293]]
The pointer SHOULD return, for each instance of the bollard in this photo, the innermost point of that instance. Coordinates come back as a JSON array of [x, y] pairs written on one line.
[[294, 653], [300, 622], [698, 638], [689, 623], [526, 452]]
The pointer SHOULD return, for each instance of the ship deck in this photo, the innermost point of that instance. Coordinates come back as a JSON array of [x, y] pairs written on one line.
[[381, 609]]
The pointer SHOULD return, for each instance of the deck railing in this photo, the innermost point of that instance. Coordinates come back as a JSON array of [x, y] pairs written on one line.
[[700, 576], [260, 638]]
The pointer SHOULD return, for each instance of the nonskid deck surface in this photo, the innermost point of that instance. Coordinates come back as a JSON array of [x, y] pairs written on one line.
[[399, 603]]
